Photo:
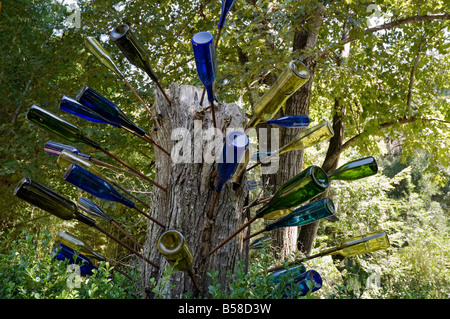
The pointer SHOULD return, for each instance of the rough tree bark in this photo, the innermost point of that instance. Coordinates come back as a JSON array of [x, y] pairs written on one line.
[[190, 191], [291, 163], [308, 233]]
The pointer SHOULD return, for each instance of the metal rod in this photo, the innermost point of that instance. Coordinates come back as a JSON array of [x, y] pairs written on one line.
[[122, 272], [149, 217], [127, 234], [253, 235], [113, 167], [138, 97], [156, 144], [163, 92], [146, 138], [251, 220], [126, 246], [129, 194], [210, 214], [295, 262], [194, 282], [131, 168], [213, 114]]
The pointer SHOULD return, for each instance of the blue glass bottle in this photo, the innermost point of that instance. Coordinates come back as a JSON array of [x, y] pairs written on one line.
[[106, 109], [302, 284], [233, 149], [94, 185], [290, 121], [283, 275], [226, 7], [63, 252], [74, 107], [54, 148], [205, 60]]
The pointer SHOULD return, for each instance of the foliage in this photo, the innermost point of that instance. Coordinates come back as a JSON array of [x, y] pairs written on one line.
[[28, 271], [254, 283]]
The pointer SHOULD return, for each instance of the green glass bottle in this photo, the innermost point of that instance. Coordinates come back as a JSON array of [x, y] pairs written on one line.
[[46, 199], [294, 75], [351, 247], [305, 186], [102, 55], [57, 125], [360, 245], [308, 138], [78, 245], [360, 168], [174, 248], [132, 48]]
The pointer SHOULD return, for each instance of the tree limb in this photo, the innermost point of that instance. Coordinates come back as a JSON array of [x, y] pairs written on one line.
[[390, 25], [403, 120]]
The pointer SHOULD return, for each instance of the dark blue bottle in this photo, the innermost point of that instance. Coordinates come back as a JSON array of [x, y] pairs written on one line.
[[226, 7], [290, 121], [205, 60], [233, 149], [63, 252], [94, 185], [106, 109], [302, 284], [73, 107]]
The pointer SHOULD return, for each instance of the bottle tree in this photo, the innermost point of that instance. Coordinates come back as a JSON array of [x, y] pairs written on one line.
[[189, 182]]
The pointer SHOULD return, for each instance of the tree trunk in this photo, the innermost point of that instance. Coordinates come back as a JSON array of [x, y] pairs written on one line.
[[291, 163], [308, 233], [191, 189]]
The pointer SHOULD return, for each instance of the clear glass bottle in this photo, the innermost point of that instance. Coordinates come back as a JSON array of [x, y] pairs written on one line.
[[77, 244], [102, 55]]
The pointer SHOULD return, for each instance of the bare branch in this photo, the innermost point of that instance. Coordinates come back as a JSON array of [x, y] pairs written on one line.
[[390, 25], [404, 120]]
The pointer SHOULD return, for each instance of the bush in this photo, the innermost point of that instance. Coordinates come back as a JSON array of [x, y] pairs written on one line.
[[28, 271]]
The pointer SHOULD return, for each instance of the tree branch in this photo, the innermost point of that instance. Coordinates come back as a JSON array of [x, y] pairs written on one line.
[[390, 25], [404, 120]]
